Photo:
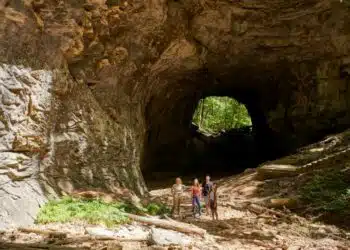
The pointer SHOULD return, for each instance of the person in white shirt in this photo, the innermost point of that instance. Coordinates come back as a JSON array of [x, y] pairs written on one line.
[[177, 191]]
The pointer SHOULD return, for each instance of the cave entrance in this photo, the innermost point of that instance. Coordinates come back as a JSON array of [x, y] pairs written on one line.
[[222, 139], [215, 115], [199, 135]]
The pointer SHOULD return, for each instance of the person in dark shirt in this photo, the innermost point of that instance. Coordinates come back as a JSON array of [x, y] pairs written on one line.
[[207, 185], [213, 202]]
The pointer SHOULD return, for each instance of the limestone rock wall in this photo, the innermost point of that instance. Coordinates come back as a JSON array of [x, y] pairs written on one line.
[[55, 137], [89, 150], [315, 103], [94, 91], [50, 145], [25, 108]]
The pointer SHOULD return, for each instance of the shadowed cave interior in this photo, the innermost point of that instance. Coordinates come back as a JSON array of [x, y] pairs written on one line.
[[175, 146]]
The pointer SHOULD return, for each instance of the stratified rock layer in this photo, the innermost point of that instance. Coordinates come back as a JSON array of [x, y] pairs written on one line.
[[94, 91]]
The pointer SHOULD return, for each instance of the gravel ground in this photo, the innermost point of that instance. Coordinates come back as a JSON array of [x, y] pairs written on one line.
[[236, 229]]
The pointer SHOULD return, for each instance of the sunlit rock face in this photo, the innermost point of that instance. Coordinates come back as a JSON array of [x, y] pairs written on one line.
[[92, 92], [24, 125], [50, 146]]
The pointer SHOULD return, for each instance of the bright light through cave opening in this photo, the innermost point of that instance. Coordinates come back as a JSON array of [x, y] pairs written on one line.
[[216, 114]]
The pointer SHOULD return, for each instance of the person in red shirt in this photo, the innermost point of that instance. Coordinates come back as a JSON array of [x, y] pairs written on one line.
[[196, 195]]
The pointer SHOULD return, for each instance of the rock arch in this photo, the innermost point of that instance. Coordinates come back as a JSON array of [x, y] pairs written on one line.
[[122, 74]]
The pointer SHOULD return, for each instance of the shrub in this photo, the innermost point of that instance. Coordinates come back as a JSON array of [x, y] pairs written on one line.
[[93, 211], [329, 192], [69, 209], [157, 209]]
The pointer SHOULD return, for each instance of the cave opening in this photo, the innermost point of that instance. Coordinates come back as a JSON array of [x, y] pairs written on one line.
[[215, 115], [216, 132], [174, 144], [222, 137]]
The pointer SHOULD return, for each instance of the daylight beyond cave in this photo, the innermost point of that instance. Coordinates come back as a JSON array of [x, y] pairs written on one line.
[[217, 114], [218, 139]]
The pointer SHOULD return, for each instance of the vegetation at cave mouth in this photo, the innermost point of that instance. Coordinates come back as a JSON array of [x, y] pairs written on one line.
[[217, 114], [93, 211]]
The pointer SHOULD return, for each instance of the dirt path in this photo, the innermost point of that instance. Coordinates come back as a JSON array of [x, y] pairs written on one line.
[[244, 223], [242, 228]]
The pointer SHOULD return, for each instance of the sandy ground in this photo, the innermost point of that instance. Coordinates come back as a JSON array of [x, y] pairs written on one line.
[[243, 229], [237, 227]]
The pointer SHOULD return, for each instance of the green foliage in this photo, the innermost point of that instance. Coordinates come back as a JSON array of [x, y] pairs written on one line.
[[93, 211], [329, 192], [345, 2], [69, 209], [214, 114], [157, 209]]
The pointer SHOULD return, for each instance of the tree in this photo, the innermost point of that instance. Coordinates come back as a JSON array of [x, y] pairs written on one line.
[[216, 114]]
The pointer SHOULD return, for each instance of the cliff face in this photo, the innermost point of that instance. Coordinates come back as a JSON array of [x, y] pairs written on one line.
[[94, 91]]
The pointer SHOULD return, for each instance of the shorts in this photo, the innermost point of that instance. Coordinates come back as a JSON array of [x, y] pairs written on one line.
[[206, 199], [212, 205]]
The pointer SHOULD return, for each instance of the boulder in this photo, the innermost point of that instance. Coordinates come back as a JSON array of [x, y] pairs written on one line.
[[99, 231], [168, 237]]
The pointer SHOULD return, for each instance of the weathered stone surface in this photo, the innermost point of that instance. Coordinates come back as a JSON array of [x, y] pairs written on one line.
[[93, 91], [167, 237], [20, 201], [24, 111], [57, 146]]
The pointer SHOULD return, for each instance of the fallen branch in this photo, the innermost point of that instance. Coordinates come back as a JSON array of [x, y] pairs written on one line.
[[32, 246], [85, 238], [254, 208], [169, 219], [172, 225], [260, 209], [59, 245], [283, 202], [236, 206], [261, 244], [49, 233], [272, 171]]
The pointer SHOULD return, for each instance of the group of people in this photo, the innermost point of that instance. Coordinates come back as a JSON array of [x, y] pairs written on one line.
[[207, 191]]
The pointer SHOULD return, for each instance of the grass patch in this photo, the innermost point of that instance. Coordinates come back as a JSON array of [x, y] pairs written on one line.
[[93, 211], [69, 209], [328, 193]]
